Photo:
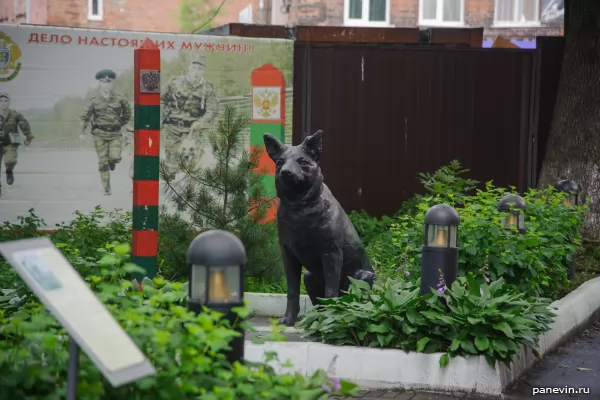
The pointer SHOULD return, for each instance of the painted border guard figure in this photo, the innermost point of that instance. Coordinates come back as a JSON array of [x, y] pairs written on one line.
[[189, 105], [10, 138], [107, 113]]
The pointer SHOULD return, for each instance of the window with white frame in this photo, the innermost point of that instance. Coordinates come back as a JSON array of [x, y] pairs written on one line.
[[517, 12], [366, 12], [95, 8], [441, 12]]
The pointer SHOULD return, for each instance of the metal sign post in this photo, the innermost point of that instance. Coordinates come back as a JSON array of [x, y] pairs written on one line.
[[73, 373]]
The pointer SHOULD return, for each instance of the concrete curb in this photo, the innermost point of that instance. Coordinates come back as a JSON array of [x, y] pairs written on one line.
[[272, 305], [391, 369]]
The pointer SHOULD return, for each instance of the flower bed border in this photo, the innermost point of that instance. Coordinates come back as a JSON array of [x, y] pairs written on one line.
[[392, 369]]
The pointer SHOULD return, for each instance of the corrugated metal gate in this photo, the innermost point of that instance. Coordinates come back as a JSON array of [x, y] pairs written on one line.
[[390, 112]]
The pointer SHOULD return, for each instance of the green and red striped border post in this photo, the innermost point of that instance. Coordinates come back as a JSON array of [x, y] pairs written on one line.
[[146, 161], [268, 116]]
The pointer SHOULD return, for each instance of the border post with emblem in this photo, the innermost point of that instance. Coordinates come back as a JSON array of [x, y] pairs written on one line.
[[146, 162], [268, 116]]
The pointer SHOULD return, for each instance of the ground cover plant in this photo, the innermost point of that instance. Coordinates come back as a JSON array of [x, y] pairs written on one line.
[[471, 318], [506, 282], [186, 349]]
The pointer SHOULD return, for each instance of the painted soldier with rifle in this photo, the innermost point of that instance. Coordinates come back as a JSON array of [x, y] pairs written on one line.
[[10, 123]]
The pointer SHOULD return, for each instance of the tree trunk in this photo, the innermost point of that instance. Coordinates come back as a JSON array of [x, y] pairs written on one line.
[[573, 148]]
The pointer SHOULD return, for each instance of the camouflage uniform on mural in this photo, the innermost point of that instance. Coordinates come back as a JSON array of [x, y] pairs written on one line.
[[107, 113], [189, 105], [10, 138]]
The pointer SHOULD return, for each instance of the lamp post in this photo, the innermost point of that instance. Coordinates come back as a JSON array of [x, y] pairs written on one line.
[[216, 259], [515, 207], [440, 251], [572, 189]]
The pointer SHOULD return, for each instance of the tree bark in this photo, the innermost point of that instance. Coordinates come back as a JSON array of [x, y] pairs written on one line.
[[573, 148]]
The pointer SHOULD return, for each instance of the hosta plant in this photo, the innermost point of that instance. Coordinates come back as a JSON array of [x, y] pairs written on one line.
[[467, 318]]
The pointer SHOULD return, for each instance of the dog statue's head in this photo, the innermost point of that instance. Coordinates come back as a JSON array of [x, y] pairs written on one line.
[[297, 170]]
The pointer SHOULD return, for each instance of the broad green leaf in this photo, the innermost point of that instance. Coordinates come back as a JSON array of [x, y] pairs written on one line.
[[475, 321], [504, 327], [422, 343], [499, 345], [311, 394], [444, 360], [472, 250], [454, 345], [122, 249], [377, 328], [482, 343], [467, 345], [432, 315]]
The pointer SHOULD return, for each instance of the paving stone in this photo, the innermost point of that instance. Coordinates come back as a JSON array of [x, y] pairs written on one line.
[[371, 394], [435, 396], [396, 395], [404, 395], [575, 365]]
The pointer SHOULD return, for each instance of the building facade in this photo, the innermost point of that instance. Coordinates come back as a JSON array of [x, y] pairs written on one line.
[[512, 19], [517, 20]]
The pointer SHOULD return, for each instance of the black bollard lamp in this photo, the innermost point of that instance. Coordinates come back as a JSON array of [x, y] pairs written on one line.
[[216, 260], [440, 251], [515, 207], [572, 189]]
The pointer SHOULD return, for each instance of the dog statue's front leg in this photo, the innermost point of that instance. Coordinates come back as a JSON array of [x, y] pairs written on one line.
[[332, 269], [293, 276]]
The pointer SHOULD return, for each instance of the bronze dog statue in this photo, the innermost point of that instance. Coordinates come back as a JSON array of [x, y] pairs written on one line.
[[314, 230]]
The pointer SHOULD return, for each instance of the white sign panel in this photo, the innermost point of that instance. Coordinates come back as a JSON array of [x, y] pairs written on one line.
[[68, 297]]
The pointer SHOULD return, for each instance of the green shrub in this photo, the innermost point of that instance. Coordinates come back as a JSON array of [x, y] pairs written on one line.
[[175, 235], [185, 349], [448, 183], [80, 238], [534, 262], [27, 227], [368, 227], [88, 232], [229, 195], [467, 319]]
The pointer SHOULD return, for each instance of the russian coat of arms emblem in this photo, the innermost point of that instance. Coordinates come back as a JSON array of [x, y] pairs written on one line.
[[9, 58], [266, 103]]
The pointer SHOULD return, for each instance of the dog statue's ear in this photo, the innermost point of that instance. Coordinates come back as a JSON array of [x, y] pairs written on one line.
[[313, 145], [274, 147]]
